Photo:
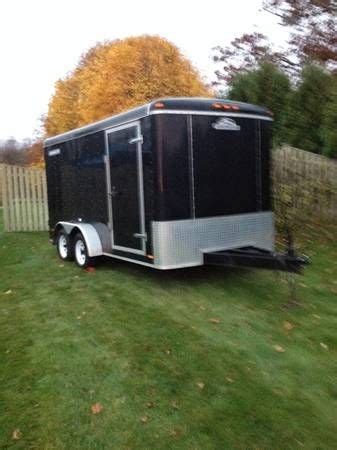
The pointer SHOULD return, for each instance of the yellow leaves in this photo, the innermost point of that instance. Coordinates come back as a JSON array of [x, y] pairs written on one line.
[[201, 385], [96, 408], [144, 419], [288, 326], [16, 435], [174, 404], [324, 346], [214, 320], [118, 75], [279, 349]]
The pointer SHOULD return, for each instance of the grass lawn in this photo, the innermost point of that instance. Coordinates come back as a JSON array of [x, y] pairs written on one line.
[[203, 358]]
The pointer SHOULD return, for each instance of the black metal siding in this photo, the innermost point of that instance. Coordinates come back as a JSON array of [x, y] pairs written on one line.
[[172, 186], [205, 172], [77, 181]]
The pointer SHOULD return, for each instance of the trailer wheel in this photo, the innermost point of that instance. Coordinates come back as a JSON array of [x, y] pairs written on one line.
[[64, 248], [82, 257]]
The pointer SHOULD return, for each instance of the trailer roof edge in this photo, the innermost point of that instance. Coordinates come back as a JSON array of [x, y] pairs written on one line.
[[172, 105]]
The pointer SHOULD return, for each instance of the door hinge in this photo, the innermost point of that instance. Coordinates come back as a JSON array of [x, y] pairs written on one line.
[[136, 140]]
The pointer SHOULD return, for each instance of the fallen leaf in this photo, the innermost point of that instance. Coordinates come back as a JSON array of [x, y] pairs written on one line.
[[144, 419], [213, 320], [229, 380], [90, 269], [288, 325], [175, 432], [303, 285], [324, 346], [8, 292], [202, 308], [201, 385], [150, 405], [316, 316], [61, 265], [174, 404], [168, 351], [79, 317], [279, 349], [96, 408], [16, 434]]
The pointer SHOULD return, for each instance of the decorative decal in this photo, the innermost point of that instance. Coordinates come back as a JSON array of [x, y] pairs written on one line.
[[54, 152], [226, 124]]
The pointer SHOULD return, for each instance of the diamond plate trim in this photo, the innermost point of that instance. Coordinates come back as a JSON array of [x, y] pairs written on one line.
[[181, 243]]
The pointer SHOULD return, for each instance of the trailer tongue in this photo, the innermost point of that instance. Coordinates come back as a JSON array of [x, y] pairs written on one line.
[[256, 257]]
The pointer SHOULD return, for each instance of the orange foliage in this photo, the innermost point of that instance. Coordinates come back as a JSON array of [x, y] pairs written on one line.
[[35, 154], [118, 75]]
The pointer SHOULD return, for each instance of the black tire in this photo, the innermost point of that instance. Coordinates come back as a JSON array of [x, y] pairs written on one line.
[[64, 247], [81, 255]]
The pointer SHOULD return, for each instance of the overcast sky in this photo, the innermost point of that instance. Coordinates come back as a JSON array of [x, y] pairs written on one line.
[[41, 40]]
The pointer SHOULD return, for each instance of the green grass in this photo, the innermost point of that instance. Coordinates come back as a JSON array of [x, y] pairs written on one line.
[[139, 342]]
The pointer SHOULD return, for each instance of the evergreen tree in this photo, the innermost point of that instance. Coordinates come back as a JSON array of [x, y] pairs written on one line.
[[308, 109], [330, 123], [266, 86]]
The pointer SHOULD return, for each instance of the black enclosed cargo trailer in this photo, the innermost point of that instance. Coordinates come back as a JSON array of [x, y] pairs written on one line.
[[175, 183]]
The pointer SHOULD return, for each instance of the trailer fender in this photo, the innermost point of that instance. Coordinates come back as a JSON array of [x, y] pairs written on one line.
[[91, 236]]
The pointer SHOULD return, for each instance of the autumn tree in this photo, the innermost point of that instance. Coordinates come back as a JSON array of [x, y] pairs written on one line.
[[313, 29], [34, 154], [244, 54], [117, 75], [313, 39]]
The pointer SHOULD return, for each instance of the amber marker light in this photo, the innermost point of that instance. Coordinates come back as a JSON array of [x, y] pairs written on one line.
[[217, 105], [159, 105]]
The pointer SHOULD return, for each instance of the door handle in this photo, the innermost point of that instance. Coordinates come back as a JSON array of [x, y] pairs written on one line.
[[114, 192], [140, 235]]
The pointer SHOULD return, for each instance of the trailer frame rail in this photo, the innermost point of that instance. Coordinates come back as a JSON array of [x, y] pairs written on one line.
[[257, 258]]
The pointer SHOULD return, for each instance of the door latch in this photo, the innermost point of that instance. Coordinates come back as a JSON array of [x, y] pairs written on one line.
[[136, 139], [114, 192], [140, 235]]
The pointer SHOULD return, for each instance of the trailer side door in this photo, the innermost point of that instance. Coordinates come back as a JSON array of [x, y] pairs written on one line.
[[125, 188]]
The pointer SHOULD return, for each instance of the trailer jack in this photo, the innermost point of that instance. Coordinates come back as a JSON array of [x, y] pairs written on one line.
[[258, 258]]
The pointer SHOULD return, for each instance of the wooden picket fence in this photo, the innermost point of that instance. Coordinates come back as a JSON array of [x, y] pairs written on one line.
[[24, 198], [310, 180]]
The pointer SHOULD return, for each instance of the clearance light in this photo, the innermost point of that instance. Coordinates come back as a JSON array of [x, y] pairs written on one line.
[[159, 105], [217, 105], [226, 106]]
